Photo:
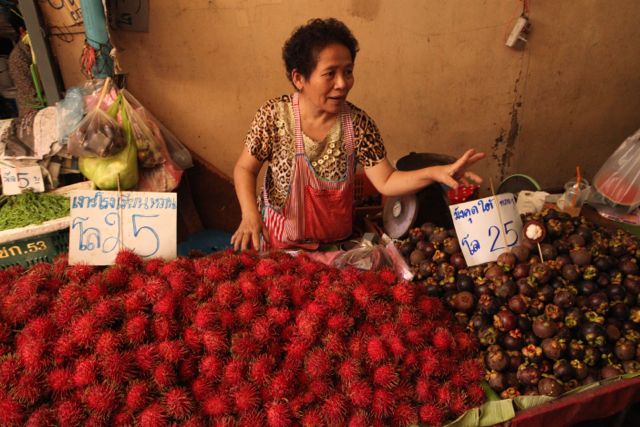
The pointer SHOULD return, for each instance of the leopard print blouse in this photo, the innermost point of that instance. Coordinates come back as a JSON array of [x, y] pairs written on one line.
[[272, 138]]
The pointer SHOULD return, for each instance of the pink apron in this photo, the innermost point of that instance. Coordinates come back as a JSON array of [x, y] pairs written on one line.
[[316, 210]]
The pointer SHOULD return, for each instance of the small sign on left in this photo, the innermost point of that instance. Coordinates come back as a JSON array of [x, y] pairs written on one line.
[[15, 180]]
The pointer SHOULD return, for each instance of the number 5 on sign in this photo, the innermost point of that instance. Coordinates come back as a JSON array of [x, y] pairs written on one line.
[[16, 180], [103, 222], [487, 227]]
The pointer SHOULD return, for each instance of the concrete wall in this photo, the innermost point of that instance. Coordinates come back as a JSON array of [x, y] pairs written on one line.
[[434, 74]]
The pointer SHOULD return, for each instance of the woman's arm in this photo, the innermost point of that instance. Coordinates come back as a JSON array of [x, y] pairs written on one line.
[[245, 176], [391, 182]]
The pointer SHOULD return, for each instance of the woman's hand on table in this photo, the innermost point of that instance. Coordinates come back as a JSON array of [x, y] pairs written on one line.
[[248, 234], [456, 173]]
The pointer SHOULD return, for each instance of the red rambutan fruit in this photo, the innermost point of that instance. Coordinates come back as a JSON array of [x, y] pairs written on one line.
[[228, 294], [359, 419], [137, 396], [349, 370], [166, 305], [297, 349], [340, 323], [387, 275], [277, 294], [320, 387], [117, 367], [312, 417], [360, 393], [379, 311], [407, 316], [279, 315], [317, 363], [135, 302], [201, 388], [214, 341], [357, 346], [95, 289], [430, 363], [101, 399], [334, 409], [153, 266], [415, 337], [69, 413], [84, 329], [457, 379], [246, 312], [108, 311], [41, 327], [444, 394], [172, 351], [476, 394], [211, 367], [227, 319], [233, 372], [135, 328], [123, 419], [32, 354], [164, 328], [128, 259], [262, 330], [153, 416], [108, 342], [246, 398], [205, 317], [431, 414], [386, 376], [403, 293], [182, 282], [164, 375], [376, 350], [317, 309], [334, 344], [396, 347], [43, 416], [60, 381], [249, 288], [464, 343], [188, 369], [349, 275], [260, 369], [442, 339], [192, 338], [252, 419], [9, 370], [178, 403], [27, 389], [308, 326], [79, 273], [425, 389], [405, 415], [457, 405], [430, 307], [266, 267], [85, 371], [243, 345], [282, 385], [116, 277], [279, 414], [383, 403], [146, 357], [154, 288], [137, 281], [216, 405]]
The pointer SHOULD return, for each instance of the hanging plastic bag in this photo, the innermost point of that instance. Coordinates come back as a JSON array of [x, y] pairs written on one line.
[[164, 177], [179, 153], [70, 112], [618, 180], [106, 172], [98, 133], [149, 152]]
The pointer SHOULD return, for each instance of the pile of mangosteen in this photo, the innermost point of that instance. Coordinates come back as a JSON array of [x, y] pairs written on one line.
[[559, 310]]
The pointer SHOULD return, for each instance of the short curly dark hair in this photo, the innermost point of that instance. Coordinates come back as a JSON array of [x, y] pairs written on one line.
[[300, 51]]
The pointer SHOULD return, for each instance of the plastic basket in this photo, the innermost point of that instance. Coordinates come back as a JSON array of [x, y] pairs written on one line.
[[34, 249]]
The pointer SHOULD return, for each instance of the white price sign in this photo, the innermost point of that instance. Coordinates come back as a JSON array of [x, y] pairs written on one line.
[[487, 227], [103, 222], [16, 180]]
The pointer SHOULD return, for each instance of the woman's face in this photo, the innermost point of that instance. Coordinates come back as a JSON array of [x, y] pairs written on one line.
[[327, 87]]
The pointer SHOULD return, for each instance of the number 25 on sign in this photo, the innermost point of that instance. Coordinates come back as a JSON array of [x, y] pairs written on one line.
[[486, 227], [103, 222]]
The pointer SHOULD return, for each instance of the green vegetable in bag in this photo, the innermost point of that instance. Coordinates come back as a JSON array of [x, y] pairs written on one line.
[[104, 171]]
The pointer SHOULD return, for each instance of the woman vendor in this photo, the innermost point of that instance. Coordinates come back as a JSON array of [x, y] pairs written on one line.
[[312, 140]]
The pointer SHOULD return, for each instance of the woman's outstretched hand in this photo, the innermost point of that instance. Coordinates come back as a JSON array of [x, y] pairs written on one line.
[[456, 173], [247, 236]]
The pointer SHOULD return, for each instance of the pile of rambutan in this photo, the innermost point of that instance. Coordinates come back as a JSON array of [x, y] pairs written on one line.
[[228, 339]]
